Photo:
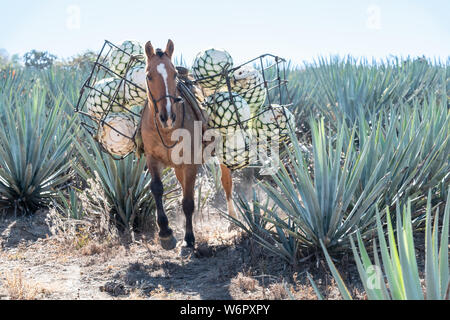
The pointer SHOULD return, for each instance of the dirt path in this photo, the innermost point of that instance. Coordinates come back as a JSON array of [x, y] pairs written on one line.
[[35, 265]]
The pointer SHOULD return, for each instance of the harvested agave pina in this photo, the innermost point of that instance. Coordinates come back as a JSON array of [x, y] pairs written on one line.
[[225, 110], [117, 141], [210, 64], [207, 92], [119, 58], [235, 149], [136, 111], [273, 123], [135, 92], [249, 83], [100, 98]]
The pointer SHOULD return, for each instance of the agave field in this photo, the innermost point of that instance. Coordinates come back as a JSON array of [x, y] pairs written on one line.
[[372, 139]]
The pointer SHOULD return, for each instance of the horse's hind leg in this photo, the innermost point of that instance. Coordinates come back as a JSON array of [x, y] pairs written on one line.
[[227, 184], [186, 175], [166, 237]]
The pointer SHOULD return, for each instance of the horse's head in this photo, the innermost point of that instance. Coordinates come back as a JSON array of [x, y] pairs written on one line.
[[161, 83]]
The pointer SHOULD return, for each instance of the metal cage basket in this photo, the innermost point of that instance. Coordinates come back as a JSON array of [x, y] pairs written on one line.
[[108, 92], [260, 82]]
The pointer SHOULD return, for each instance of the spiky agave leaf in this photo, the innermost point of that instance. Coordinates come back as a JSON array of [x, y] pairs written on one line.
[[347, 85], [399, 261], [70, 205], [260, 219], [35, 147], [324, 205], [65, 82], [412, 143], [126, 184]]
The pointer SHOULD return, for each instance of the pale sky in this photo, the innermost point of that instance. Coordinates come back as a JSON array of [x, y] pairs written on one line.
[[297, 30]]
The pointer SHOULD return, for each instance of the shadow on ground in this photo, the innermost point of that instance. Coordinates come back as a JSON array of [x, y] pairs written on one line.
[[206, 274], [19, 229]]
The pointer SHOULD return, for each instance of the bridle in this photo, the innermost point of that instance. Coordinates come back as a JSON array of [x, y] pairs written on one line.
[[175, 101]]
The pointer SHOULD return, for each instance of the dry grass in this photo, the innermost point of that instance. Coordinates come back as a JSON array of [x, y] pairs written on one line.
[[95, 224], [245, 283], [93, 248], [19, 288], [261, 287], [276, 291], [160, 293], [92, 234], [303, 292], [17, 256], [136, 294]]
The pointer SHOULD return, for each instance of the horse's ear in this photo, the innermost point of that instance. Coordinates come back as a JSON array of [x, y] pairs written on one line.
[[149, 50], [169, 48]]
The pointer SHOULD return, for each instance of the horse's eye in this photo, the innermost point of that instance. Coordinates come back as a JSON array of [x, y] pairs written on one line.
[[149, 78], [175, 76]]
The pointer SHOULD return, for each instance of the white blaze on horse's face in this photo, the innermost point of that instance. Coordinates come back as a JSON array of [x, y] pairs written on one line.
[[161, 68]]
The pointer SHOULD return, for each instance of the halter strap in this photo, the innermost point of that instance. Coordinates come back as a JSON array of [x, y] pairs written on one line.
[[155, 101], [155, 107]]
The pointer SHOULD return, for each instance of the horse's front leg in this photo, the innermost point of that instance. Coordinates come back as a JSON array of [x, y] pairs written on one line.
[[186, 175], [168, 241]]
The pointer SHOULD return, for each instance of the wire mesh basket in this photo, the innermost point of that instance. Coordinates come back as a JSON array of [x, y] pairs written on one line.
[[114, 94], [112, 98], [260, 86]]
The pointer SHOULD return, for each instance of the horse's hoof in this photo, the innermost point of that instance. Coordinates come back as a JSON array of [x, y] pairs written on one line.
[[168, 243], [186, 252]]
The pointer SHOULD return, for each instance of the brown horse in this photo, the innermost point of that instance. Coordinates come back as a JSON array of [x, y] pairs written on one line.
[[166, 112]]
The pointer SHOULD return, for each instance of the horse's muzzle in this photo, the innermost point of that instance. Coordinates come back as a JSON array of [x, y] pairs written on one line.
[[167, 122]]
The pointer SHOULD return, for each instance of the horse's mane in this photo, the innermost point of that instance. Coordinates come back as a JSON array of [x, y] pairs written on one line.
[[159, 52]]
